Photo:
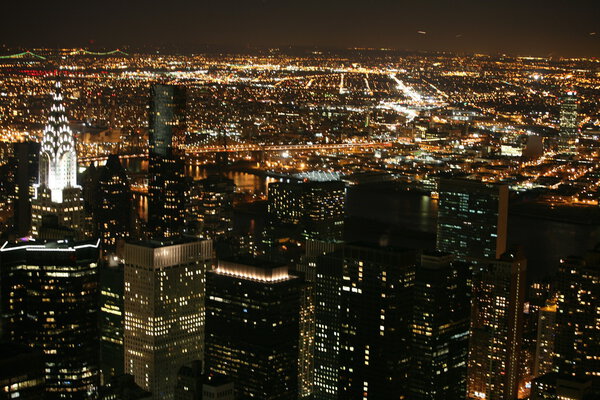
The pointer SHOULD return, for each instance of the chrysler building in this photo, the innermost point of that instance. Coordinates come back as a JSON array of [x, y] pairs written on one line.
[[57, 192]]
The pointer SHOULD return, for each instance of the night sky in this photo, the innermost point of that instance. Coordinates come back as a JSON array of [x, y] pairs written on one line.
[[525, 27]]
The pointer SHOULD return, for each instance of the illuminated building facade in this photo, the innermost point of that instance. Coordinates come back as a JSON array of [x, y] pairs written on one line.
[[544, 351], [577, 346], [164, 310], [472, 218], [209, 209], [111, 318], [440, 329], [252, 327], [569, 129], [363, 314], [166, 182], [49, 300], [57, 191], [308, 210], [114, 208], [21, 372], [498, 293]]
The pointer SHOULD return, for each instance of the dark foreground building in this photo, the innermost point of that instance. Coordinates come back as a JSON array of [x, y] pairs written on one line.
[[363, 314], [49, 300], [440, 329], [21, 372], [252, 327]]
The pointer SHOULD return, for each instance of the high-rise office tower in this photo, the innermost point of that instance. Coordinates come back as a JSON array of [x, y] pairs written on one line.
[[546, 331], [440, 329], [472, 218], [49, 299], [167, 118], [363, 317], [498, 295], [26, 155], [308, 210], [114, 208], [166, 182], [307, 267], [569, 129], [209, 208], [164, 310], [111, 318], [57, 191], [252, 313], [577, 343]]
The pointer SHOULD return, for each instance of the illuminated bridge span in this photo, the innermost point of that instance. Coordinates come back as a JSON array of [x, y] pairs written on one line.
[[93, 53], [73, 53], [23, 54], [196, 150], [191, 150]]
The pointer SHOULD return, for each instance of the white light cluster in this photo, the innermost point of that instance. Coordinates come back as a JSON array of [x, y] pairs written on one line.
[[58, 157]]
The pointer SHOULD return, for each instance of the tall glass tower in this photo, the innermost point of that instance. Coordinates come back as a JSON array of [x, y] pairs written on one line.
[[166, 185]]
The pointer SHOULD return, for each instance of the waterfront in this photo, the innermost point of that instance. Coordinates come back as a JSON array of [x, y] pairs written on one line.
[[409, 220]]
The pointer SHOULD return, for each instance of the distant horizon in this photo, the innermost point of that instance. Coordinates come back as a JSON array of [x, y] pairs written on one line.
[[6, 50]]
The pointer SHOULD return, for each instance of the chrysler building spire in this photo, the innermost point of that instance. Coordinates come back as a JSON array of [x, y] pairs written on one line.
[[58, 157]]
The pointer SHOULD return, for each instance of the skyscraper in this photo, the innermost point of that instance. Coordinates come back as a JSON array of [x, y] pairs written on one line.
[[472, 218], [49, 299], [111, 318], [167, 119], [164, 310], [569, 129], [440, 329], [252, 314], [114, 208], [166, 184], [496, 327], [26, 156], [209, 208], [363, 315], [577, 345], [57, 191]]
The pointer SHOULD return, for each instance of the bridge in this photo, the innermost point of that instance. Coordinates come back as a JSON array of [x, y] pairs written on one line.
[[192, 151]]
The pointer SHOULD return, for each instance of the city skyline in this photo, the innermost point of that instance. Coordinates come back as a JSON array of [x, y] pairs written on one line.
[[301, 223]]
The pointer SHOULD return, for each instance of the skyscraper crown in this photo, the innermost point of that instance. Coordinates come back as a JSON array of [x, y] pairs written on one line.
[[58, 157]]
